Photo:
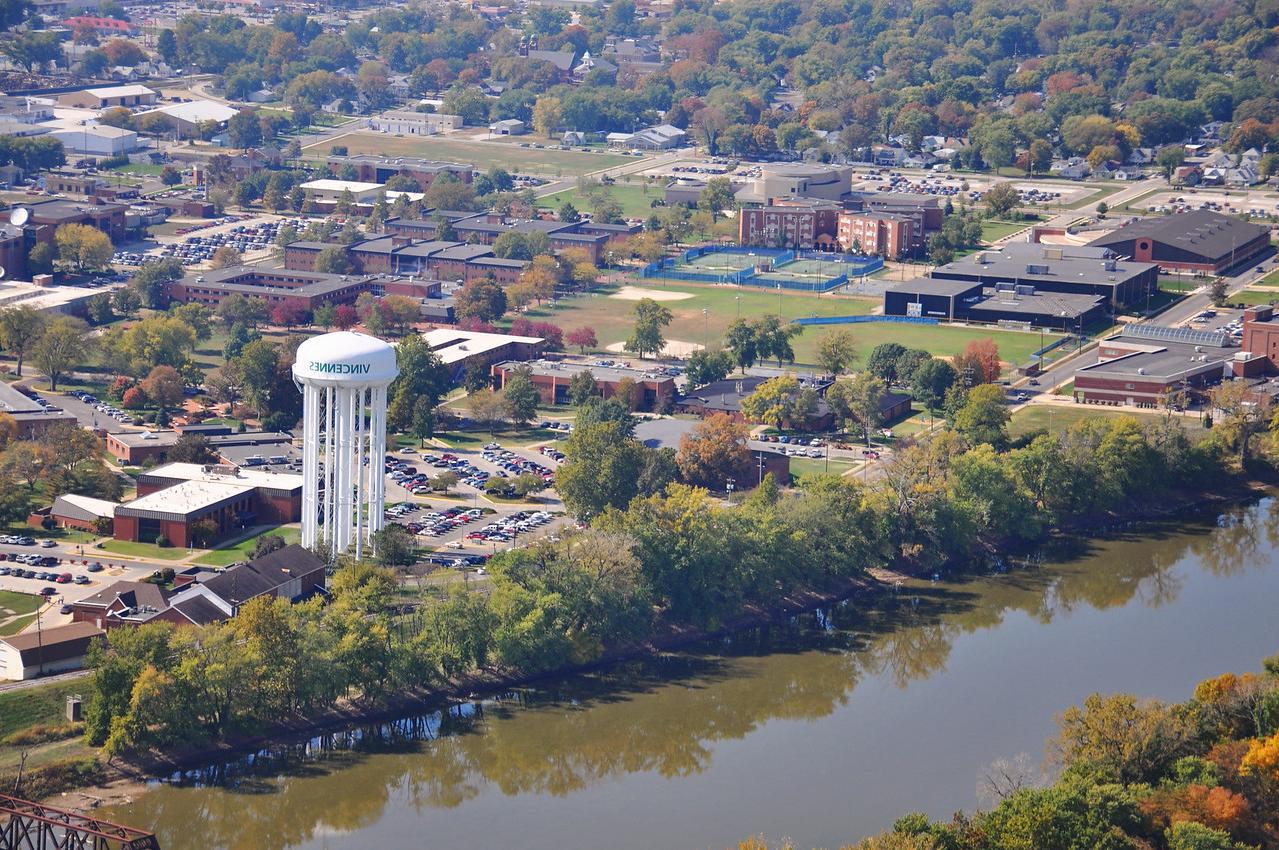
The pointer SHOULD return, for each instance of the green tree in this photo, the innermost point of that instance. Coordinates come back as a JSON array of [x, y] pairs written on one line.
[[423, 378], [705, 367], [393, 546], [521, 396], [717, 196], [741, 340], [882, 362], [930, 383], [65, 344], [581, 387], [859, 400], [1001, 199], [650, 319], [984, 416], [480, 299], [836, 351], [333, 259], [601, 470], [20, 327]]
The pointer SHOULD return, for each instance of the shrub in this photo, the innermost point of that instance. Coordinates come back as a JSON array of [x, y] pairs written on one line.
[[162, 541]]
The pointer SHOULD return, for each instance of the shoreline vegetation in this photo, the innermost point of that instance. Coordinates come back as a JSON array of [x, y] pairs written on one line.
[[1133, 775], [647, 575]]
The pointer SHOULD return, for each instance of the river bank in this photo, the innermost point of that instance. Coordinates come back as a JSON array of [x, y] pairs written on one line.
[[122, 782]]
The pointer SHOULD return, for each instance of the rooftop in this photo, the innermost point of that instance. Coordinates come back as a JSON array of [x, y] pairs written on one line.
[[121, 91], [218, 474], [1025, 262], [187, 497], [609, 374], [197, 111], [329, 185], [453, 345], [1202, 231], [1159, 360]]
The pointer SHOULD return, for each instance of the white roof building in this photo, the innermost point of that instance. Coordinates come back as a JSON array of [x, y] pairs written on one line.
[[196, 112], [328, 189], [97, 139]]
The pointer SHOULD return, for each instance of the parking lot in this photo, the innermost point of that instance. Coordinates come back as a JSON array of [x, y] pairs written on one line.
[[61, 571]]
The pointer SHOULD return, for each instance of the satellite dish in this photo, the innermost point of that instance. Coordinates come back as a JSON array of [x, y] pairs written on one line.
[[18, 216]]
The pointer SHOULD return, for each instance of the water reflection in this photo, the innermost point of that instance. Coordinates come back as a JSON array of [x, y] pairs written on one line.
[[665, 716]]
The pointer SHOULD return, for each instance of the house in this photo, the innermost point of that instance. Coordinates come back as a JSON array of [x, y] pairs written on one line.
[[590, 65], [199, 596], [408, 122], [1141, 156], [507, 127], [573, 139], [45, 651], [1128, 172], [1187, 175], [1075, 168], [660, 137]]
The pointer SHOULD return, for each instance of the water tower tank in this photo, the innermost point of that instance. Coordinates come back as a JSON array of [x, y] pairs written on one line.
[[343, 379]]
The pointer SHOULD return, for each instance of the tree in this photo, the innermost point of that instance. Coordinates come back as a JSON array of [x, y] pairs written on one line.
[[705, 367], [20, 327], [581, 387], [781, 402], [714, 451], [568, 212], [716, 196], [583, 338], [333, 259], [650, 318], [64, 345], [602, 468], [480, 299], [393, 546], [859, 400], [83, 247], [1170, 158], [1001, 199], [150, 281], [883, 360], [837, 351], [40, 259], [164, 386], [194, 448], [548, 115], [930, 382], [250, 312], [984, 416], [773, 339], [226, 257], [1243, 415], [521, 396], [741, 340], [487, 407], [126, 301], [979, 362], [1218, 291]]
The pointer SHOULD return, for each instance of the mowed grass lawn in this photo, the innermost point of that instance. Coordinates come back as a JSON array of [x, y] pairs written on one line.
[[613, 319], [21, 607], [1055, 418], [483, 155], [636, 200], [1254, 296], [243, 550], [992, 230]]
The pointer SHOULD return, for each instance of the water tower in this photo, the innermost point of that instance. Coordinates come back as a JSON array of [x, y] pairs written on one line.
[[343, 379]]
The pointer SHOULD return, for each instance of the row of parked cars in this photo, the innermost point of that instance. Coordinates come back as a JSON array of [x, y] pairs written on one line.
[[102, 407], [505, 529], [42, 575], [439, 523], [509, 463]]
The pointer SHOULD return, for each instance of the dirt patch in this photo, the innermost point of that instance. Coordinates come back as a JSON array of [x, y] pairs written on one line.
[[635, 293], [673, 348]]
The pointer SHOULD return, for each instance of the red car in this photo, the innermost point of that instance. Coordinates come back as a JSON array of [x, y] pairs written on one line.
[[65, 578]]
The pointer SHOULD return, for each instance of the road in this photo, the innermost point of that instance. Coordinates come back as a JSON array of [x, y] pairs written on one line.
[[1118, 199]]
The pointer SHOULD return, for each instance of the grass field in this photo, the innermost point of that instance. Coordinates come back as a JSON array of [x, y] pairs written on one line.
[[23, 604], [482, 155], [1271, 279], [612, 320], [817, 466], [634, 200], [1169, 283], [1254, 296], [46, 704], [993, 229], [145, 550], [1054, 418], [243, 550]]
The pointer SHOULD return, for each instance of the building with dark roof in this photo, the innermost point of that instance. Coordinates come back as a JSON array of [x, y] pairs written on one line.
[[30, 417], [371, 168], [1073, 270], [1196, 241], [965, 301], [44, 651], [47, 216], [201, 596]]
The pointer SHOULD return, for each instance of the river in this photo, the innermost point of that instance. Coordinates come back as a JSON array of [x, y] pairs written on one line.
[[823, 731]]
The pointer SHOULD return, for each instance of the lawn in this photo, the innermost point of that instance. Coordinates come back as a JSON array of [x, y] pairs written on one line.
[[139, 169], [243, 550], [24, 604], [636, 200], [1254, 296], [46, 704], [993, 229], [1055, 417], [800, 466], [144, 550], [1102, 193], [483, 155], [1172, 283], [504, 437], [612, 320]]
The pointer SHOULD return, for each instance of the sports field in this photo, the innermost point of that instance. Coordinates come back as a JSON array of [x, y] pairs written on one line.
[[1059, 417], [613, 319], [483, 155], [636, 200]]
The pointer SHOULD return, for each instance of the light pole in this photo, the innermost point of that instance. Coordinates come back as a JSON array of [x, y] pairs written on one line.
[[738, 299], [705, 327]]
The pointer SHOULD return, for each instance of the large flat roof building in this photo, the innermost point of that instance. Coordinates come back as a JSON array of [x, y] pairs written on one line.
[[1145, 363], [653, 391], [1196, 241], [459, 349], [306, 288]]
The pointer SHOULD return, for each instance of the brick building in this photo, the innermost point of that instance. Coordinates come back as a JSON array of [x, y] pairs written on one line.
[[653, 391], [370, 168], [1196, 241], [1145, 364], [882, 234], [308, 289], [48, 216], [829, 226], [173, 498]]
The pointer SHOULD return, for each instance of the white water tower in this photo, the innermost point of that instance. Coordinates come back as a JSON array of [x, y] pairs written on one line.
[[343, 379]]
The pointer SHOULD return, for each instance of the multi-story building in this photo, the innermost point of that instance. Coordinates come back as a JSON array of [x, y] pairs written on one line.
[[1197, 241], [47, 216], [881, 234], [652, 391]]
